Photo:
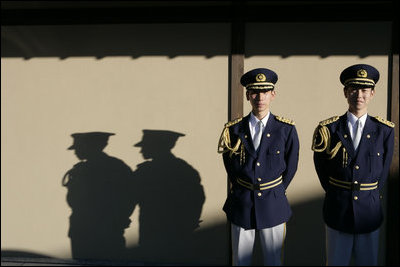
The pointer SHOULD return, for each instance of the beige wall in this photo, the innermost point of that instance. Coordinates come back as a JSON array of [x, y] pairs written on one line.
[[58, 80], [46, 99]]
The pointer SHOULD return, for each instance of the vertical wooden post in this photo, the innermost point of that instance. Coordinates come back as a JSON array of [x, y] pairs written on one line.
[[392, 220], [236, 65], [235, 88], [235, 93]]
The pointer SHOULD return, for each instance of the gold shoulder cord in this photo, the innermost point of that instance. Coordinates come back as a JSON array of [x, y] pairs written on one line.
[[224, 144], [344, 157], [325, 143], [285, 120], [386, 122]]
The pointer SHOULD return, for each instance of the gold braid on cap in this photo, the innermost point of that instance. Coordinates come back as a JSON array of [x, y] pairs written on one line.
[[325, 143], [224, 144]]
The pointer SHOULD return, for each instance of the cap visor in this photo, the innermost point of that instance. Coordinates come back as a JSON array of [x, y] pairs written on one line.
[[138, 144]]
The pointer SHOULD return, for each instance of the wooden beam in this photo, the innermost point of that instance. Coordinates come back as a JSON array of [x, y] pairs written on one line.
[[392, 218], [235, 89], [236, 67], [109, 12]]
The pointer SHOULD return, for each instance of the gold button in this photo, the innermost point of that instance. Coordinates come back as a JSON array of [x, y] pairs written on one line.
[[277, 152], [245, 136], [345, 136], [380, 196], [259, 179], [355, 197], [231, 191], [378, 154], [259, 194], [355, 182], [268, 135], [258, 164], [356, 167], [368, 136]]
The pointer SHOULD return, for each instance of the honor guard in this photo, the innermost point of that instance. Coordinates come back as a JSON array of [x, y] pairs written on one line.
[[352, 156], [260, 154]]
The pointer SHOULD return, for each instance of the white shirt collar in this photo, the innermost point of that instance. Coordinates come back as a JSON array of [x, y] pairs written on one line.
[[253, 119], [351, 118]]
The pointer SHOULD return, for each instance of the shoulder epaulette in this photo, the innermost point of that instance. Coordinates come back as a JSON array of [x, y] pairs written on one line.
[[386, 122], [288, 121], [329, 121], [230, 123]]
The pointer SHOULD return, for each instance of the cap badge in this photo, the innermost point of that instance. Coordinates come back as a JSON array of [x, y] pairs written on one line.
[[261, 77], [362, 73]]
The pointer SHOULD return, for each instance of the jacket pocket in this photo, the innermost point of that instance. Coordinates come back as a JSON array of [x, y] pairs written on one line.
[[375, 163], [274, 157]]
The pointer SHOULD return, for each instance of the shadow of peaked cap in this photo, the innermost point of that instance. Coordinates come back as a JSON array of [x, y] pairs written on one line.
[[90, 140], [159, 137], [259, 79], [359, 75]]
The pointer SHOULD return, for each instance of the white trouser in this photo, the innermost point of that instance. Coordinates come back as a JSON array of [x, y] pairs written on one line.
[[271, 242], [340, 246]]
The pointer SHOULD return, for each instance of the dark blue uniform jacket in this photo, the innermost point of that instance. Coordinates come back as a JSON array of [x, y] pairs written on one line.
[[277, 156], [352, 179]]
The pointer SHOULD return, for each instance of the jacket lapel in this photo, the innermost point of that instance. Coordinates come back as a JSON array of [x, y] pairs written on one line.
[[368, 134], [265, 138], [245, 136], [344, 136]]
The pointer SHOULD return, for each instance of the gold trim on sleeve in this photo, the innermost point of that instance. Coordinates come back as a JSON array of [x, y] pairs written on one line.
[[224, 143], [325, 143]]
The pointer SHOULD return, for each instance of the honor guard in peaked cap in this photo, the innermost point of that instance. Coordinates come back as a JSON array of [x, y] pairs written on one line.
[[352, 156], [359, 75], [260, 152], [259, 79], [90, 140]]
